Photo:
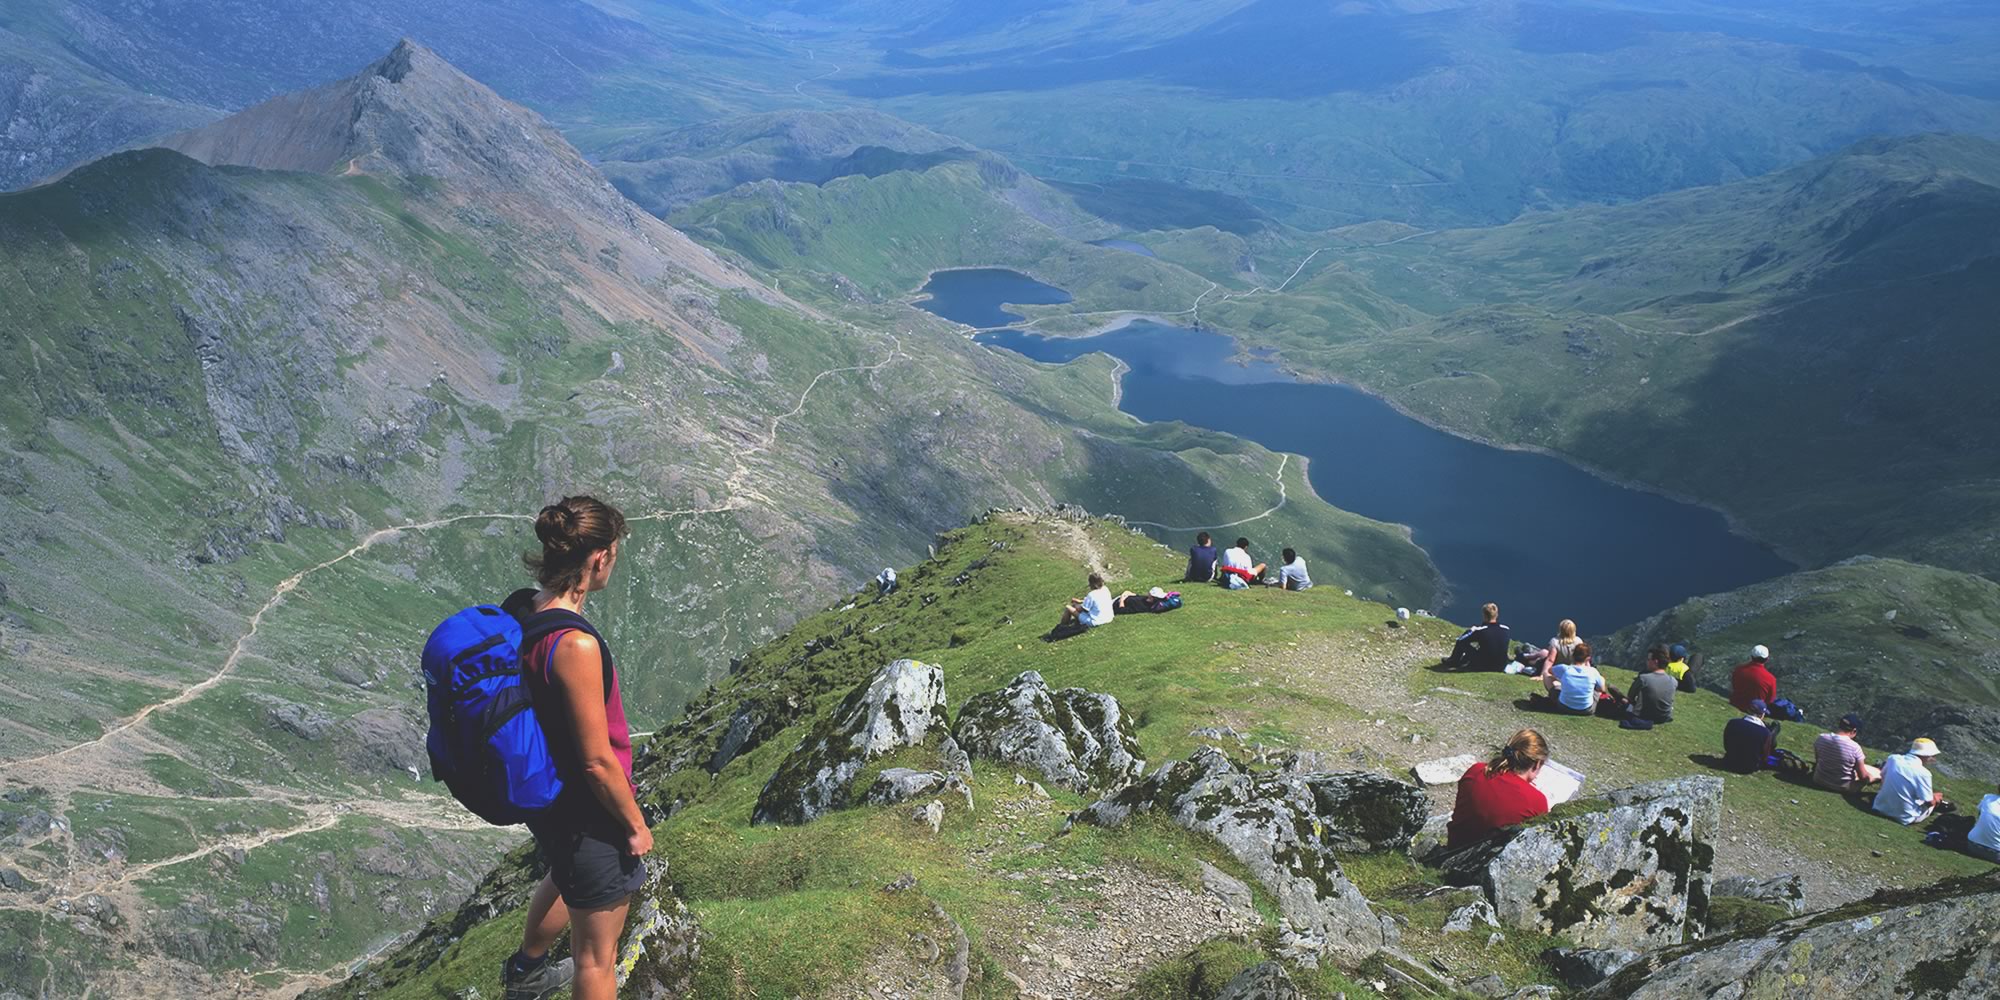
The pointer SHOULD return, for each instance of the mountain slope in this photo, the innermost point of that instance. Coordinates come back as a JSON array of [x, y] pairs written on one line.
[[1312, 680], [272, 424]]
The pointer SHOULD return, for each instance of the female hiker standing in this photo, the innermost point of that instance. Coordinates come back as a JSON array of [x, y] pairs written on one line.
[[594, 838]]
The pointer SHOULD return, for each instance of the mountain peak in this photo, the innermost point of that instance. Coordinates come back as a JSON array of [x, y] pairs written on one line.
[[409, 114], [402, 60]]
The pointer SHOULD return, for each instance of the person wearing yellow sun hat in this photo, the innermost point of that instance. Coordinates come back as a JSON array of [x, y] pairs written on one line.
[[1906, 795]]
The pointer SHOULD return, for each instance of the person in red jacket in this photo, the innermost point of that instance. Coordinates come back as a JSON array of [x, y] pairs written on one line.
[[1499, 792], [1753, 681]]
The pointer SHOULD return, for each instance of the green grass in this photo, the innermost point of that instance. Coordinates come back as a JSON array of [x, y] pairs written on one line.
[[783, 904]]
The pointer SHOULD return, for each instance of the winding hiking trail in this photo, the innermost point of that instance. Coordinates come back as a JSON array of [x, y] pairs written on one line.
[[739, 483], [1283, 499], [77, 879]]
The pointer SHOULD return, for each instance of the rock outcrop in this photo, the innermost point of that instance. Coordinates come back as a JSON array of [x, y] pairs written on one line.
[[1273, 824], [1786, 891], [1629, 870], [1265, 981], [902, 705], [662, 945], [1581, 968], [1076, 738], [1939, 942]]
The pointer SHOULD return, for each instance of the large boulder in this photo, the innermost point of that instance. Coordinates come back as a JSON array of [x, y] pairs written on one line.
[[1630, 869], [1272, 824], [1939, 942], [1076, 738], [902, 705], [1362, 812], [662, 944]]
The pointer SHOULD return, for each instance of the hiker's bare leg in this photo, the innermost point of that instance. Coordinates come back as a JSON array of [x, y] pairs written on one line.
[[593, 943], [546, 918]]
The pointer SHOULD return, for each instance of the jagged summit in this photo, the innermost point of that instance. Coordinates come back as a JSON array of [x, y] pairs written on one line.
[[408, 114]]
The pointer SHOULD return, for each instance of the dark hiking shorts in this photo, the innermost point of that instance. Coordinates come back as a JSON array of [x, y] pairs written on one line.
[[588, 864]]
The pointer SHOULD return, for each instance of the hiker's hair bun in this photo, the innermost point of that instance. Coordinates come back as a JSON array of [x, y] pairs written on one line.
[[556, 527], [571, 530]]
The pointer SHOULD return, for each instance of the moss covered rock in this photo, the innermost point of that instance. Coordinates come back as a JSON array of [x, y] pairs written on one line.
[[1939, 942], [902, 705], [1631, 869], [1273, 825], [662, 945], [1075, 738]]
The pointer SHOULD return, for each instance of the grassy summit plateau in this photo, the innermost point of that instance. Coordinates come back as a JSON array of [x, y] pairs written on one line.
[[804, 911]]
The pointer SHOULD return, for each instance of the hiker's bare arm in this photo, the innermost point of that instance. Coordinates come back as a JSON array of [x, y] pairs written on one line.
[[579, 671]]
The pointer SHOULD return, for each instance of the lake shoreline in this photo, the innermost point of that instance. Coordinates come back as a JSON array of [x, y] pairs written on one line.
[[1278, 359]]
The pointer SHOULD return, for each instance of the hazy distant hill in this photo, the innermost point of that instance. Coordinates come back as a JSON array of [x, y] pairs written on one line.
[[1447, 112], [668, 170], [279, 412]]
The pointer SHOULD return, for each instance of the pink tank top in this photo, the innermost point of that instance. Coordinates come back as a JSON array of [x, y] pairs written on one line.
[[616, 728]]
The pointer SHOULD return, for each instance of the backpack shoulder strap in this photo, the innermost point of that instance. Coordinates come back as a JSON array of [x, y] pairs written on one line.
[[543, 624]]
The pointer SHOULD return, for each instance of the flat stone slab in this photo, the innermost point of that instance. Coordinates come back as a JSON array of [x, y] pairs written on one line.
[[1444, 770]]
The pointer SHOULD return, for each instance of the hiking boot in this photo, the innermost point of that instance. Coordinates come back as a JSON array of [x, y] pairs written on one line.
[[536, 985]]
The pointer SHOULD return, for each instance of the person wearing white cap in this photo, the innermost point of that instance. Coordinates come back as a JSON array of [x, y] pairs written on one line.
[[1129, 603], [1753, 681], [1906, 794]]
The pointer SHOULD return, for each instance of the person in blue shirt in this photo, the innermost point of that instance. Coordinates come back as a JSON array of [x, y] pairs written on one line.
[[1906, 795], [1201, 560], [1576, 687], [1748, 742], [1292, 573], [1983, 841]]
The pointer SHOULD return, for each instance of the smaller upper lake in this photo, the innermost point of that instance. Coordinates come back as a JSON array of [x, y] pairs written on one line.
[[974, 296], [1126, 245], [1543, 538]]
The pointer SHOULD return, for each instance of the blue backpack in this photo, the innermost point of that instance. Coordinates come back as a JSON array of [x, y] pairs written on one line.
[[485, 742]]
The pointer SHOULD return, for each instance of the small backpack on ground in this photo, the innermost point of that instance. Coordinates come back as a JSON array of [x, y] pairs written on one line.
[[485, 742], [1169, 602]]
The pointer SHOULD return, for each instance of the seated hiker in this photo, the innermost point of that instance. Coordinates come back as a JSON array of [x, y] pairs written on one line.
[[1906, 795], [1082, 614], [1129, 603], [1839, 764], [1236, 569], [1750, 743], [1984, 840], [1651, 699], [885, 582], [1201, 560], [1682, 671], [1499, 792], [1562, 648], [1483, 646], [1292, 573], [1575, 688], [1753, 681]]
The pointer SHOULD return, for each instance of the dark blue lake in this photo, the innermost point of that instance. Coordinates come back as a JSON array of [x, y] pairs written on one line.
[[974, 295], [1541, 537]]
